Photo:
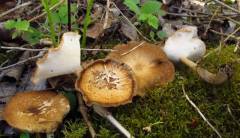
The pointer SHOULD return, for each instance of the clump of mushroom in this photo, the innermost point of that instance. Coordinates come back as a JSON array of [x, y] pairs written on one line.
[[64, 59], [106, 83], [185, 46], [36, 111], [148, 62]]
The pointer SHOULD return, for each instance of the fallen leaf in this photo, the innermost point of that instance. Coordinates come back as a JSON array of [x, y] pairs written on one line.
[[129, 31]]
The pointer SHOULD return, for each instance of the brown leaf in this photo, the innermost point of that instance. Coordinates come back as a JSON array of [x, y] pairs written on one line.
[[129, 31], [16, 71]]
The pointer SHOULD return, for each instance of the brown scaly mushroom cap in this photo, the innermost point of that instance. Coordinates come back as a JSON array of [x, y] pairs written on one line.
[[106, 83], [36, 111], [148, 62]]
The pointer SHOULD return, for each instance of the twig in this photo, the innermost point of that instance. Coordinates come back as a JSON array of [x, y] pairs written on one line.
[[106, 50], [200, 113], [5, 62], [83, 110], [23, 49], [230, 112], [130, 22], [225, 5], [232, 34], [23, 61], [44, 13], [45, 49], [106, 15], [209, 24], [34, 10], [132, 49], [219, 33], [186, 15], [15, 8], [19, 2], [104, 113]]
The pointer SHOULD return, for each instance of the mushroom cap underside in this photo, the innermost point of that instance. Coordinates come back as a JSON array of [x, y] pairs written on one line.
[[36, 111], [106, 83]]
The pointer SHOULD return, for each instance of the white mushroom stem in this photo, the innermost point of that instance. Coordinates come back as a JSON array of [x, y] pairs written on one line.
[[207, 76], [104, 113]]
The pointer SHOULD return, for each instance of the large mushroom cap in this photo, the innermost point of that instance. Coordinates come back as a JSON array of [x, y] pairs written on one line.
[[36, 111], [185, 43], [106, 83], [148, 62]]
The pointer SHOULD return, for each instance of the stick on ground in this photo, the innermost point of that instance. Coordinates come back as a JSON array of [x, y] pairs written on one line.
[[83, 111], [200, 113]]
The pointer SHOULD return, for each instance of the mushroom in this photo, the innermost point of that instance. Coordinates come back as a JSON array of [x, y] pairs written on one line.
[[64, 59], [36, 111], [185, 46], [148, 62], [106, 83]]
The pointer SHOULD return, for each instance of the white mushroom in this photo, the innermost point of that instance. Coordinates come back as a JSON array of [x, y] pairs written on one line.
[[64, 59], [185, 46]]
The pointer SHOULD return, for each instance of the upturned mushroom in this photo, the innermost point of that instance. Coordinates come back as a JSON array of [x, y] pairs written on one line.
[[185, 46], [148, 62], [107, 83], [64, 59], [36, 111]]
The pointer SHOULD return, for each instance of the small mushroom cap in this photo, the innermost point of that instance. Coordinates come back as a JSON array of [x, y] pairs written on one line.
[[36, 111], [106, 83], [185, 43], [64, 59], [148, 62]]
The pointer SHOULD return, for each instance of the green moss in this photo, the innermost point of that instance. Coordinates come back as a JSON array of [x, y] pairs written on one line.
[[220, 104], [74, 129]]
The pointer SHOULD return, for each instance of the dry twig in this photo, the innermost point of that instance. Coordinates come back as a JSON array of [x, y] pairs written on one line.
[[200, 113], [106, 15], [227, 6], [23, 61], [44, 13], [15, 8], [45, 49], [132, 49], [83, 110]]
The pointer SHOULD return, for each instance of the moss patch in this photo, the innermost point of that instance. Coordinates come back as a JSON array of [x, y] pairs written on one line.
[[167, 105]]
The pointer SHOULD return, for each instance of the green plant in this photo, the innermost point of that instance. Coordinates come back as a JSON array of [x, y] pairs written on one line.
[[46, 4], [148, 12], [57, 20], [87, 21], [23, 28]]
